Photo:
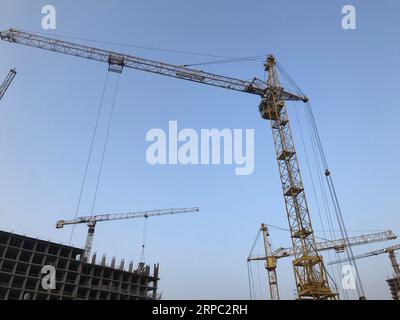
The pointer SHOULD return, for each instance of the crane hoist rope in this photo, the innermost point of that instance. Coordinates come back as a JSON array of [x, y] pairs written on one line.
[[131, 45], [144, 236], [320, 154], [319, 208], [89, 157], [110, 118]]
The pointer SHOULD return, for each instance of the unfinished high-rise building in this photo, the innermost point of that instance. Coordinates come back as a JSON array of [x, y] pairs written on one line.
[[394, 286], [23, 276]]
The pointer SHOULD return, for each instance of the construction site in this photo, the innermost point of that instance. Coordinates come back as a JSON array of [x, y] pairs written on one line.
[[23, 259], [323, 254]]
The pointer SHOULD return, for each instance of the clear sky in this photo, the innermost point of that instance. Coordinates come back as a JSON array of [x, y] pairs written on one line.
[[48, 115]]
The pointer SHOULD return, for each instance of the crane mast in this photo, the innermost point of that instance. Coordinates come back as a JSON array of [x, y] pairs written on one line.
[[271, 256], [310, 275], [270, 264], [9, 78], [393, 261], [92, 220]]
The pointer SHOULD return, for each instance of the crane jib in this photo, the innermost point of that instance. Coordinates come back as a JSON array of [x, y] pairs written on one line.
[[117, 61]]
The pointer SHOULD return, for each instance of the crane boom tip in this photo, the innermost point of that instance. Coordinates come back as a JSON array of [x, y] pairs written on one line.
[[60, 224]]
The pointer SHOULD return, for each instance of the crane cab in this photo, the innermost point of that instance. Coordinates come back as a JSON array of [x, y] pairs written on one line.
[[271, 262], [270, 110]]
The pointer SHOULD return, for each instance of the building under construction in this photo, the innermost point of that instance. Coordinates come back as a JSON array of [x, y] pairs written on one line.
[[22, 260], [394, 286]]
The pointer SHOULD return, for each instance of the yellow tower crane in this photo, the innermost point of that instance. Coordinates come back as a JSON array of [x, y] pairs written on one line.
[[271, 256], [311, 278]]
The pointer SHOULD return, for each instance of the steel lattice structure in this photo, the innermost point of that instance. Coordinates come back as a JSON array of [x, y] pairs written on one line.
[[10, 77], [271, 256], [309, 270], [92, 220], [270, 264], [390, 250], [337, 245], [126, 215], [117, 61]]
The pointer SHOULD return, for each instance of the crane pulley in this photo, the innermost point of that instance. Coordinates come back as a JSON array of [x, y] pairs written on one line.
[[92, 220]]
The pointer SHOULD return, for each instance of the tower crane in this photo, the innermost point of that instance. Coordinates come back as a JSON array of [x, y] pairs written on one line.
[[9, 78], [310, 276], [389, 250], [393, 283], [271, 256], [92, 220]]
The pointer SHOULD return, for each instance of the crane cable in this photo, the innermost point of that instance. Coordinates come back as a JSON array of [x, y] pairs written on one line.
[[331, 188], [335, 201], [327, 207], [334, 276], [231, 60], [144, 236], [254, 242], [292, 84], [105, 145], [258, 274], [249, 269], [128, 45], [249, 280], [335, 231], [99, 110]]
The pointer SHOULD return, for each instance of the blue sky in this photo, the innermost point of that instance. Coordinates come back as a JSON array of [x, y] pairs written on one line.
[[48, 115]]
